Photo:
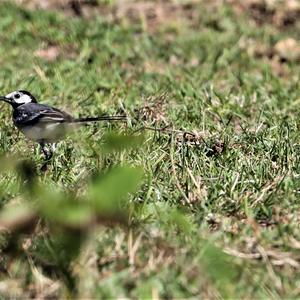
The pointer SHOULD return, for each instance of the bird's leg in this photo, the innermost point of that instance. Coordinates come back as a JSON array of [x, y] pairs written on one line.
[[47, 153], [43, 148]]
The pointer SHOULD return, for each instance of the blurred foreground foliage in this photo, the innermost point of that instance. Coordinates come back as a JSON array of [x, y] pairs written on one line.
[[67, 216], [58, 222]]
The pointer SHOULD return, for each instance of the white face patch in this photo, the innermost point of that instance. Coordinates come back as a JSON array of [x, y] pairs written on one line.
[[19, 97]]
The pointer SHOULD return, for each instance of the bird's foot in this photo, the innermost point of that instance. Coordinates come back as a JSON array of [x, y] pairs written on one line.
[[48, 154]]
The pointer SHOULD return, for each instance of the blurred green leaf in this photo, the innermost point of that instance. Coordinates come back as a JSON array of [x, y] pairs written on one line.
[[221, 268], [169, 216], [8, 163], [119, 142], [181, 220], [106, 192], [64, 209], [147, 288]]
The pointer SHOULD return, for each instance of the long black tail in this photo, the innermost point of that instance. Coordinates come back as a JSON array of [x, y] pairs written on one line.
[[101, 118]]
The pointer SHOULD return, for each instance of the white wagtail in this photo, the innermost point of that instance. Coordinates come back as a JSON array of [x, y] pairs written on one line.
[[42, 123]]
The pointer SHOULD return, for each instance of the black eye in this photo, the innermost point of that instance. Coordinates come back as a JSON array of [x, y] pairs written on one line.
[[17, 96]]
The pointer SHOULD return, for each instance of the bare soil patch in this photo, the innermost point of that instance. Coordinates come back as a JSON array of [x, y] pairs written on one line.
[[150, 13], [279, 13], [155, 13]]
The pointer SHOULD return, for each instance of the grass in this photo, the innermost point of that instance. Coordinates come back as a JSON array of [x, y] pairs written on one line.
[[216, 213]]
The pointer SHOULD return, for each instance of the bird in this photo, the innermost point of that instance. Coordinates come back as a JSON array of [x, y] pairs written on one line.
[[45, 124]]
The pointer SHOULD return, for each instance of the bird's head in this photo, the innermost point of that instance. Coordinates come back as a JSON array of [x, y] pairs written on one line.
[[18, 98]]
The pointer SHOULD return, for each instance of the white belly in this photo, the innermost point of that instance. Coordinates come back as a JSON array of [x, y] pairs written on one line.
[[46, 132]]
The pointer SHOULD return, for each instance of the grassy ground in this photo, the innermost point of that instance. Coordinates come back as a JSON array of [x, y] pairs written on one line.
[[216, 212]]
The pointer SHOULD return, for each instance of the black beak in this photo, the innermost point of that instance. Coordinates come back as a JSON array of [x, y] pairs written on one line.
[[5, 99]]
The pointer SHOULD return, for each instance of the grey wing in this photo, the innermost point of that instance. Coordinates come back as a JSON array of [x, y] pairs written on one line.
[[41, 113]]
